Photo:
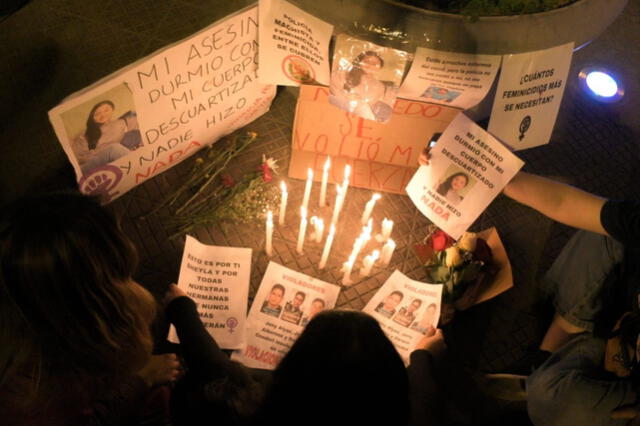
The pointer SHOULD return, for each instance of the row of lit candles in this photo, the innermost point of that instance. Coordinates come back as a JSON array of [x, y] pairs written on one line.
[[318, 223]]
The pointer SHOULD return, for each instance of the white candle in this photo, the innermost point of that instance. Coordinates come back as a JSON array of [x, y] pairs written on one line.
[[337, 205], [318, 225], [323, 186], [387, 252], [303, 229], [307, 189], [360, 242], [387, 226], [368, 208], [269, 248], [368, 262], [283, 202], [345, 182], [327, 247], [346, 268]]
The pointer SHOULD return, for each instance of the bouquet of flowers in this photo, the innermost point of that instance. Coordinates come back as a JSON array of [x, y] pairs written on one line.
[[462, 266]]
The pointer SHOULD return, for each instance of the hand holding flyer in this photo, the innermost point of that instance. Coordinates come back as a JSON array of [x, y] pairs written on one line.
[[285, 303], [217, 278], [405, 309], [468, 169]]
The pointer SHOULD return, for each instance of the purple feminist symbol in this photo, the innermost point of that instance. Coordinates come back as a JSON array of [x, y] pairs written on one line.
[[231, 324]]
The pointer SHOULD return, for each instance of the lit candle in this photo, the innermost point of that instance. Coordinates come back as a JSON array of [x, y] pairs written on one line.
[[337, 206], [367, 263], [387, 252], [303, 229], [323, 186], [360, 242], [346, 268], [368, 208], [327, 247], [345, 182], [269, 248], [387, 226], [307, 189], [318, 226], [283, 202]]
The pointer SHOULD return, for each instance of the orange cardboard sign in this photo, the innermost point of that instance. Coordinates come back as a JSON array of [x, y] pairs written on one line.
[[383, 156]]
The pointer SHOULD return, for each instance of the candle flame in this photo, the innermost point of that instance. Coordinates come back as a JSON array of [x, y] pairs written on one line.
[[283, 187], [327, 164], [269, 216], [309, 174]]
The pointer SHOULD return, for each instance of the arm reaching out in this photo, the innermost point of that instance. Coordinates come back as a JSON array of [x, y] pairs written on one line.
[[560, 202]]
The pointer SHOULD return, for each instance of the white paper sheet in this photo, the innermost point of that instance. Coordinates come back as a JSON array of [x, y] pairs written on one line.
[[467, 170]]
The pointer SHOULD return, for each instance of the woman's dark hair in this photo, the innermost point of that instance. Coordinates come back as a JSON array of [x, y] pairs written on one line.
[[354, 75], [93, 131], [69, 309], [341, 370], [445, 186]]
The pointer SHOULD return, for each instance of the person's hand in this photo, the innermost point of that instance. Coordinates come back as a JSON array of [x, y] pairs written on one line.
[[160, 369], [433, 342], [425, 156], [173, 292]]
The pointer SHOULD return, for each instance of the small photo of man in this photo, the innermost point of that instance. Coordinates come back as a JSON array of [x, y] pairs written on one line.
[[407, 314], [272, 305], [387, 308], [317, 306], [292, 309]]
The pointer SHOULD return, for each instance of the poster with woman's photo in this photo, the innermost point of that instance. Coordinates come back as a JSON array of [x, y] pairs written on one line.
[[448, 78], [148, 116], [365, 77], [467, 170], [406, 309], [284, 304]]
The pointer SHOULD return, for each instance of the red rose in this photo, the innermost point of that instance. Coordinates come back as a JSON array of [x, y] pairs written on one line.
[[227, 181], [441, 241], [267, 175]]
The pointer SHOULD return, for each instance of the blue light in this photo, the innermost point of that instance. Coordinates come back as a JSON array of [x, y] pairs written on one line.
[[602, 84]]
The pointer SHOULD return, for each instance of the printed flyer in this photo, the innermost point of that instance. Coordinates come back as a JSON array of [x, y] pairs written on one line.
[[294, 45], [149, 116], [217, 279], [528, 96], [455, 79], [405, 309], [467, 170], [286, 301], [365, 77]]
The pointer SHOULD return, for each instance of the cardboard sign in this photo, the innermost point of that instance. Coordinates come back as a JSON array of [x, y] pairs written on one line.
[[447, 78], [468, 169], [285, 303], [528, 96], [405, 309], [149, 116], [294, 45], [217, 279], [383, 157]]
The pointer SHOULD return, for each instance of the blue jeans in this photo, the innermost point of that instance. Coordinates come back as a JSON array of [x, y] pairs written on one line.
[[571, 387]]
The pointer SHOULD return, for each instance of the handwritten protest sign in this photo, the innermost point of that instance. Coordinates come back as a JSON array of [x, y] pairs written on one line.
[[455, 79], [528, 96], [217, 279], [468, 169], [294, 45], [286, 301], [150, 115], [383, 157], [405, 309]]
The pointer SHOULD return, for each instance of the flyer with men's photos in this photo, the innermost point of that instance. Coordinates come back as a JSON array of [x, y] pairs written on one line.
[[405, 309], [467, 170], [284, 304]]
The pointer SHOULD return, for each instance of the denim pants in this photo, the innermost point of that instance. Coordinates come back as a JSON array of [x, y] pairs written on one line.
[[572, 387]]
